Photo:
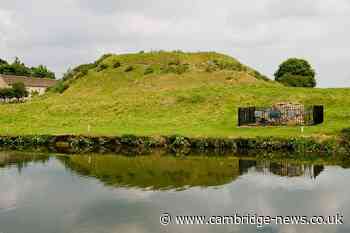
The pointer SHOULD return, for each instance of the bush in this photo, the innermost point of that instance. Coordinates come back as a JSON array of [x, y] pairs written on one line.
[[102, 58], [259, 76], [176, 69], [345, 134], [149, 70], [117, 64], [102, 67], [60, 87], [129, 68], [19, 90], [6, 93]]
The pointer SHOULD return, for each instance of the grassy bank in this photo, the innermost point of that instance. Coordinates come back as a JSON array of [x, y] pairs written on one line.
[[195, 95]]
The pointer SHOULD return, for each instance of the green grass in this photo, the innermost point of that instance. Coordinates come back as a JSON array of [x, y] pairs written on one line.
[[195, 101]]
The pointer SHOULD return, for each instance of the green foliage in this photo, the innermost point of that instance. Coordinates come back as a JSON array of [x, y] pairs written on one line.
[[59, 87], [17, 91], [3, 62], [117, 64], [149, 70], [102, 58], [345, 134], [129, 68], [20, 69], [259, 76], [296, 72], [297, 81], [78, 71], [7, 93], [197, 104], [101, 67], [176, 68], [42, 72]]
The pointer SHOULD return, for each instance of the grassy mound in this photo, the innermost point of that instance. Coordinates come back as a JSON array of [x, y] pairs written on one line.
[[165, 93]]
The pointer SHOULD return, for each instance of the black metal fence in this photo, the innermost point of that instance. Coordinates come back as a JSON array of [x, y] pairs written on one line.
[[281, 114]]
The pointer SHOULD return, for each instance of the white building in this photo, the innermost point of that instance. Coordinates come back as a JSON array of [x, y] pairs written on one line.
[[33, 85]]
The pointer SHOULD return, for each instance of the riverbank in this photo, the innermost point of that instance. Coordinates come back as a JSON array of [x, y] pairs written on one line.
[[177, 144]]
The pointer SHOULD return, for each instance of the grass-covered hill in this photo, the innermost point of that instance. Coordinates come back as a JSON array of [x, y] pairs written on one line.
[[165, 93]]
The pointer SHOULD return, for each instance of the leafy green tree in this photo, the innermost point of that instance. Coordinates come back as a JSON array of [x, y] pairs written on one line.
[[19, 90], [42, 72], [7, 93], [19, 68], [296, 72], [298, 81], [3, 62]]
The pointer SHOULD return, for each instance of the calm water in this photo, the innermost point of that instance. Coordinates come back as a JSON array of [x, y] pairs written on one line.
[[107, 193]]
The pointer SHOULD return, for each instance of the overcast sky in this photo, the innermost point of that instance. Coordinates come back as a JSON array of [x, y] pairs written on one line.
[[260, 33]]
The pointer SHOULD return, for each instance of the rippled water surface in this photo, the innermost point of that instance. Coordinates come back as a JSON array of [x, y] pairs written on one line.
[[110, 193]]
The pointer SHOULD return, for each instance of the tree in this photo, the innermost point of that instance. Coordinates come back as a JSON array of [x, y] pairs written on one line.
[[296, 72], [42, 72], [3, 62], [18, 68], [19, 90]]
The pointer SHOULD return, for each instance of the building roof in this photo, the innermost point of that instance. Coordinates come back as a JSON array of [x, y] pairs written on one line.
[[28, 81]]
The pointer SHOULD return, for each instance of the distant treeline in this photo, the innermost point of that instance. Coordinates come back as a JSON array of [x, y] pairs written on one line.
[[19, 68]]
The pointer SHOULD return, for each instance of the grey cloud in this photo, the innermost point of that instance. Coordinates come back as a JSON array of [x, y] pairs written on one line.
[[260, 33]]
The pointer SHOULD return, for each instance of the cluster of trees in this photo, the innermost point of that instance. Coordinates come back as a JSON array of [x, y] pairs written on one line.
[[17, 91], [296, 73], [19, 68]]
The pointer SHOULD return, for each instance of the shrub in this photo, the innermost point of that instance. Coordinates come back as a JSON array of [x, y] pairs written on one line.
[[149, 70], [259, 76], [129, 68], [102, 58], [345, 134], [19, 90], [59, 87], [176, 69], [117, 64], [102, 67], [180, 69], [174, 62]]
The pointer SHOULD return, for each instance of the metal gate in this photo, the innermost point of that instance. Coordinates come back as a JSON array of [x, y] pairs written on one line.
[[281, 114]]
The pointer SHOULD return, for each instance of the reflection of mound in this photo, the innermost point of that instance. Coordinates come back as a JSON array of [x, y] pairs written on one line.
[[155, 172], [20, 159], [281, 168]]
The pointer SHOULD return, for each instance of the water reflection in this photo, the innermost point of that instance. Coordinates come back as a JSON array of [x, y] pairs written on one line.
[[21, 160], [155, 172], [280, 168], [110, 194], [165, 172]]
